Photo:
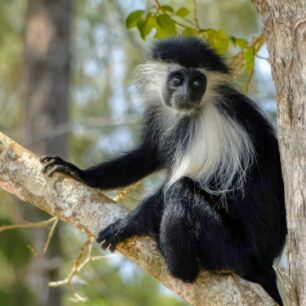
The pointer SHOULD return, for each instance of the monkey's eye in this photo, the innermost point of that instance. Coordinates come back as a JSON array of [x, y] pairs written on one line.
[[176, 80], [197, 82]]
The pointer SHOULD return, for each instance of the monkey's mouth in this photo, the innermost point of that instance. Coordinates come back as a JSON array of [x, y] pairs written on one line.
[[182, 103]]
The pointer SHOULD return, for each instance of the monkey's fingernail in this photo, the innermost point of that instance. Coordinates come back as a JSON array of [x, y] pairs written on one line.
[[53, 169], [100, 240]]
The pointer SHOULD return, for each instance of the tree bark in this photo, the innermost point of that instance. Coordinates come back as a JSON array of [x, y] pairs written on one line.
[[285, 28], [89, 210]]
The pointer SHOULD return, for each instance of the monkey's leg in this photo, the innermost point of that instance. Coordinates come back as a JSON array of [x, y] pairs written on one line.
[[220, 247], [143, 220], [178, 242], [119, 172]]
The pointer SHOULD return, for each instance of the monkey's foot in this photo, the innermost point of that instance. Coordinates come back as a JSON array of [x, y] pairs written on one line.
[[112, 235], [186, 272], [56, 164]]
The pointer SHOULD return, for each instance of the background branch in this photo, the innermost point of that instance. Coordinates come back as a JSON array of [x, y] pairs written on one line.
[[90, 210]]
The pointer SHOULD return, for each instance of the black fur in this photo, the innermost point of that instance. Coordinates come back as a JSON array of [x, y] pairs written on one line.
[[190, 226], [174, 50]]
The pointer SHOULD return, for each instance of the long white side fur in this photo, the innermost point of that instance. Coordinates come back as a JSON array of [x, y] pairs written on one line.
[[220, 150]]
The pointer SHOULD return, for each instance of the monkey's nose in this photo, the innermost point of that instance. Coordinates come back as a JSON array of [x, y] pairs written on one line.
[[186, 101]]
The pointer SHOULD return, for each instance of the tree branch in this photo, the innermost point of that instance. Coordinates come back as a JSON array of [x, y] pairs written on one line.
[[89, 210]]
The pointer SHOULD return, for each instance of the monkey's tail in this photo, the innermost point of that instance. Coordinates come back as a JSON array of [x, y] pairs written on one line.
[[267, 279]]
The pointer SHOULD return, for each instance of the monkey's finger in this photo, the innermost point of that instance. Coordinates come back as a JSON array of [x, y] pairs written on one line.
[[57, 168], [50, 164], [110, 243], [103, 235], [105, 244], [112, 247], [47, 158], [101, 241], [106, 233]]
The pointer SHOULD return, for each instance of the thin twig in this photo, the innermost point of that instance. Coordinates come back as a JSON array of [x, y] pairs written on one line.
[[263, 58], [28, 225], [47, 243], [250, 77], [237, 62], [124, 193], [78, 264], [83, 258], [158, 6], [81, 261]]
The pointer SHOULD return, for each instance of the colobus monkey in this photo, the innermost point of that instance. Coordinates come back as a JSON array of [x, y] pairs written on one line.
[[221, 206]]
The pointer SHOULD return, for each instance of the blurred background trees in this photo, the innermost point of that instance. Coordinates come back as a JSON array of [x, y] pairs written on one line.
[[66, 89]]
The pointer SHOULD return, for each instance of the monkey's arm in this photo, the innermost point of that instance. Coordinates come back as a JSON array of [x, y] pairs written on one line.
[[119, 172]]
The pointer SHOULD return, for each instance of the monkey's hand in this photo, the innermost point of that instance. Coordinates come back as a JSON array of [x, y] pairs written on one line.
[[113, 234], [56, 164]]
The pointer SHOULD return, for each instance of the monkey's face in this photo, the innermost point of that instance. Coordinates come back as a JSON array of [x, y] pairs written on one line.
[[184, 88], [183, 73]]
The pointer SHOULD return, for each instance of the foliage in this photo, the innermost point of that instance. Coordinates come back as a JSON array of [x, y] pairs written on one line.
[[14, 257], [160, 21]]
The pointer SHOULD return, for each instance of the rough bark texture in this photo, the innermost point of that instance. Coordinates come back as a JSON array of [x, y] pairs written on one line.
[[89, 210], [285, 28]]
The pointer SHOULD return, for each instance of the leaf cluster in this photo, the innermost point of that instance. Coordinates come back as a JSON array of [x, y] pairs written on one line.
[[161, 21]]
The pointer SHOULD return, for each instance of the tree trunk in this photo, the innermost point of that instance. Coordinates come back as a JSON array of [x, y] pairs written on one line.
[[285, 29], [46, 91]]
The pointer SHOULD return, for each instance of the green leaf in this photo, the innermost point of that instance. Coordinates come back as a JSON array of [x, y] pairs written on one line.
[[146, 26], [189, 32], [219, 40], [133, 18], [159, 32], [167, 8], [249, 59], [141, 28], [150, 23], [240, 42], [182, 12], [166, 26]]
